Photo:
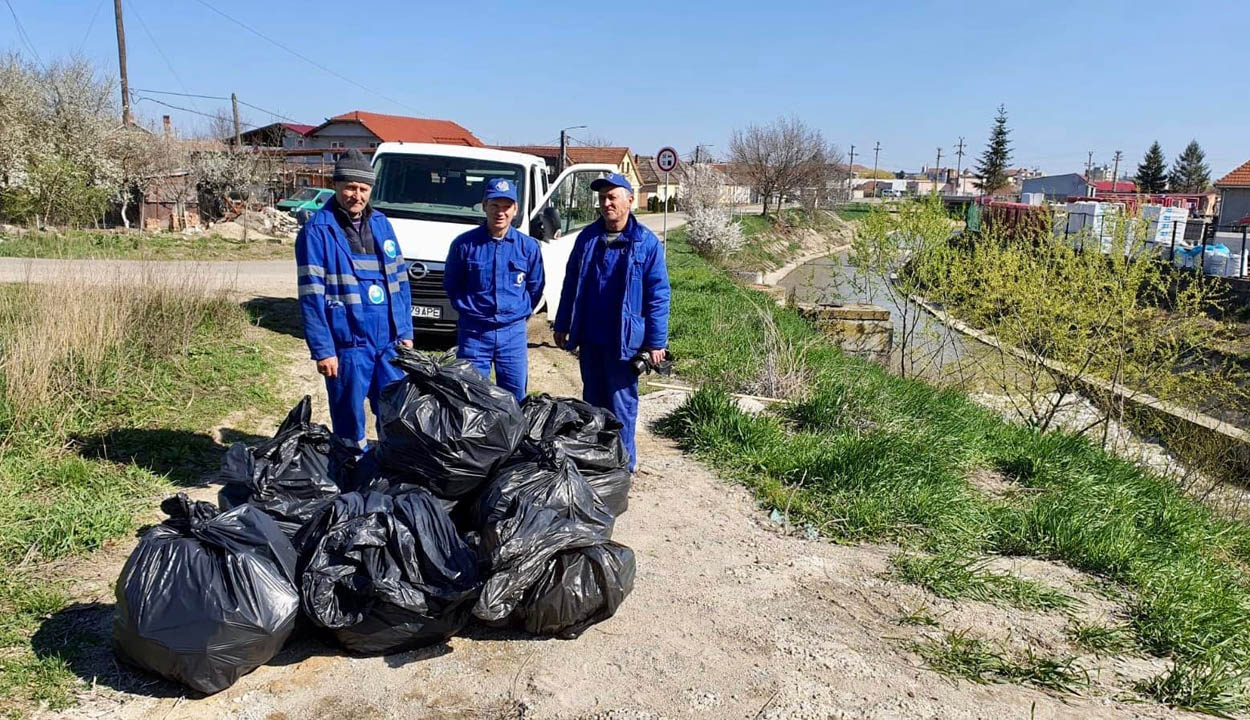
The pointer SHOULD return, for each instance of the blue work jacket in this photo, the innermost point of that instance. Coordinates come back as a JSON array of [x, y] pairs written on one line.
[[330, 295], [644, 308], [494, 282]]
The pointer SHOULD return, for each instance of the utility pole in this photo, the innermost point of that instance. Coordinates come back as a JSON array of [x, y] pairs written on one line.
[[876, 151], [937, 167], [850, 175], [121, 62], [1115, 174], [234, 102], [1089, 164], [959, 164], [560, 165]]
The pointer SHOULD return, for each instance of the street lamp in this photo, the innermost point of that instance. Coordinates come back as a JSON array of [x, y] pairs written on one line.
[[564, 145]]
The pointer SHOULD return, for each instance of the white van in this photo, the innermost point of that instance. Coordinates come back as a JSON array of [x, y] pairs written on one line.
[[432, 193]]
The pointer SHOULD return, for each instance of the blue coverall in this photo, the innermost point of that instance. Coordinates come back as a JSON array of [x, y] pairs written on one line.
[[615, 303], [494, 286], [356, 307]]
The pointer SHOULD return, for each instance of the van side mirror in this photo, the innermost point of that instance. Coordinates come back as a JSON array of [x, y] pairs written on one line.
[[545, 226]]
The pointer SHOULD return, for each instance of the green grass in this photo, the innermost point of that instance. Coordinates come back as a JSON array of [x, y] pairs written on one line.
[[1101, 639], [1213, 686], [100, 244], [853, 211], [79, 467], [963, 655], [959, 578], [867, 456]]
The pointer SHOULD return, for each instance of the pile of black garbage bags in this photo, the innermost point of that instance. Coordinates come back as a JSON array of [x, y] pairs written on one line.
[[469, 508]]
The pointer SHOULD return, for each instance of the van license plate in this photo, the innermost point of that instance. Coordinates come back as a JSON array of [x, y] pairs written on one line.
[[429, 312]]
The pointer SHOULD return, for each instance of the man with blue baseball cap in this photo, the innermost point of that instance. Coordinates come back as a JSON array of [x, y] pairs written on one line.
[[614, 304], [494, 279], [353, 296]]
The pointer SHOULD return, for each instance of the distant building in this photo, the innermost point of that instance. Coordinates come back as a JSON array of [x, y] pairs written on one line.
[[365, 131], [1234, 191], [288, 136], [620, 157], [1058, 188], [652, 180]]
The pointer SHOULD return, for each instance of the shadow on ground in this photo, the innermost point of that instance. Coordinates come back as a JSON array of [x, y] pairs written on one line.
[[186, 458], [80, 635], [276, 314]]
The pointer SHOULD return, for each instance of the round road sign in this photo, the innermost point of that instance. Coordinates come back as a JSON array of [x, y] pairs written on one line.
[[666, 158]]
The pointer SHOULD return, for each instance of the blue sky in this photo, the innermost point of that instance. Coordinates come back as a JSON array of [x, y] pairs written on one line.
[[1100, 76]]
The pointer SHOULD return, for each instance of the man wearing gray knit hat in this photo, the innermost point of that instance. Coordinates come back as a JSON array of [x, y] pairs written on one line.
[[353, 296]]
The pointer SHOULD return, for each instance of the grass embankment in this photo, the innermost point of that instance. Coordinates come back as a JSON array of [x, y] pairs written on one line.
[[866, 456], [105, 394], [853, 211], [107, 244], [773, 240]]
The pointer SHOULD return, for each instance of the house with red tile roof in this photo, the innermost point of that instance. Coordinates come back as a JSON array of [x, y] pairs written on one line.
[[621, 157], [365, 131], [1234, 189]]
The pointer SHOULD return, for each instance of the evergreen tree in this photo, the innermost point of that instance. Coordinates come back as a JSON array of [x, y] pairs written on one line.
[[1190, 173], [1152, 174], [992, 165]]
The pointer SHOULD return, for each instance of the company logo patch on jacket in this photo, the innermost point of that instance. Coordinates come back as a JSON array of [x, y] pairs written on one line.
[[377, 295], [520, 279], [390, 248]]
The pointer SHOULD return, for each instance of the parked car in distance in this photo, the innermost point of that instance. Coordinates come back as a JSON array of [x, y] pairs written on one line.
[[310, 199]]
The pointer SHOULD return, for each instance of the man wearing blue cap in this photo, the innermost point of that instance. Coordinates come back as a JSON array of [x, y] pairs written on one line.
[[353, 296], [494, 279], [614, 304]]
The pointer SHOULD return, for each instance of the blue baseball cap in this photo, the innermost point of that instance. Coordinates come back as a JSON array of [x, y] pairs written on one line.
[[500, 188], [611, 180]]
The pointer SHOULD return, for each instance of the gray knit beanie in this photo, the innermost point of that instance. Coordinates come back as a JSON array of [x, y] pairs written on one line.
[[353, 167]]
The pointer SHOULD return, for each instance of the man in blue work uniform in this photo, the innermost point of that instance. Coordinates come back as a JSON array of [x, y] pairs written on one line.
[[614, 304], [353, 296], [494, 279]]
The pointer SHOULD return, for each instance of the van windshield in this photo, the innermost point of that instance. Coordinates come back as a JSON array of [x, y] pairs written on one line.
[[445, 189], [305, 194]]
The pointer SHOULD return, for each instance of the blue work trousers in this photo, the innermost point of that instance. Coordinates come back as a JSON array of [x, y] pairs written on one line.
[[363, 371], [609, 382], [504, 346]]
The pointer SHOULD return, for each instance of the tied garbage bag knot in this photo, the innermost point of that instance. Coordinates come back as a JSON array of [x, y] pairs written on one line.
[[206, 597], [549, 479]]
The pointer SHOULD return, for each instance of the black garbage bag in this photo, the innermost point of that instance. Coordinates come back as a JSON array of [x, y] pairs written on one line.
[[386, 572], [550, 575], [206, 597], [445, 426], [589, 435], [291, 476], [549, 480]]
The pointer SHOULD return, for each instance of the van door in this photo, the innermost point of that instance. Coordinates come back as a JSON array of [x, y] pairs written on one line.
[[568, 206]]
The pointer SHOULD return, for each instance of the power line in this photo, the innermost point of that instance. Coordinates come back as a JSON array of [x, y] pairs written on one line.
[[218, 97], [183, 109], [181, 94], [21, 32], [90, 25], [303, 57], [271, 113]]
